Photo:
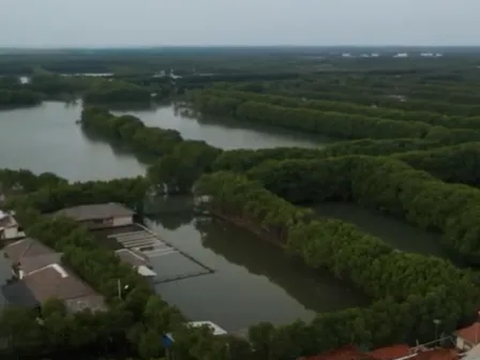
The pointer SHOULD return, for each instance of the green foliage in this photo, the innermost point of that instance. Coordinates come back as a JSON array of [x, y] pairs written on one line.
[[340, 107], [130, 130], [410, 290], [384, 184], [115, 91], [15, 98], [180, 169]]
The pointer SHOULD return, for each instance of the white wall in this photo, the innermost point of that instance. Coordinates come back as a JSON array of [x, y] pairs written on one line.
[[123, 221], [11, 233]]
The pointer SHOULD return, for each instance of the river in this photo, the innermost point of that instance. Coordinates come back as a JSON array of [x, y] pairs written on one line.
[[244, 289], [253, 281]]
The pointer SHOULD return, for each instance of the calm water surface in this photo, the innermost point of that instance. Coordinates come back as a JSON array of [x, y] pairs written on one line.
[[245, 289], [222, 133], [46, 138], [397, 233], [253, 280]]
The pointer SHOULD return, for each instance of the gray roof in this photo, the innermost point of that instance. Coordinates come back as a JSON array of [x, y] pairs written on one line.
[[18, 294], [55, 282], [96, 211], [131, 257], [31, 264], [26, 248]]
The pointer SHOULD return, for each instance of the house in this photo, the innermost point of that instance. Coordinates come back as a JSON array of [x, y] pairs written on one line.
[[98, 216], [137, 261], [53, 282], [344, 353], [391, 352], [39, 276], [467, 338], [437, 354], [28, 255], [394, 352], [9, 228]]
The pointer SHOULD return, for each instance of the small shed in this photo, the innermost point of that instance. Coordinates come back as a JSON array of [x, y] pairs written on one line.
[[136, 261]]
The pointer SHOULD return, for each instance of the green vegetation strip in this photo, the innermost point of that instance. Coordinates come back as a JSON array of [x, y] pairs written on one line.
[[134, 324], [385, 184], [451, 122], [334, 124], [410, 290]]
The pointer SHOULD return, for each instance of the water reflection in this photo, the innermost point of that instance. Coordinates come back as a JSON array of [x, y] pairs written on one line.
[[222, 132], [47, 138], [316, 290], [397, 233], [245, 288]]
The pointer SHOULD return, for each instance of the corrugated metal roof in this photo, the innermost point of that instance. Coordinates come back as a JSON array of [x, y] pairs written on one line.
[[391, 352], [96, 211]]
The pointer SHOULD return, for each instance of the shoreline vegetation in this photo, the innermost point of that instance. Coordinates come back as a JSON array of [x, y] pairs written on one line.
[[412, 131]]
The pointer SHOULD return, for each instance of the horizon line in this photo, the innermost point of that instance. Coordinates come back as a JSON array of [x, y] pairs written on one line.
[[64, 47]]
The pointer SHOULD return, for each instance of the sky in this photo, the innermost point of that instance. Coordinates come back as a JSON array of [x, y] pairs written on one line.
[[116, 23]]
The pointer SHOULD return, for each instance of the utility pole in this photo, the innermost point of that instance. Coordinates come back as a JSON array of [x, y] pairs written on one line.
[[437, 322], [119, 289]]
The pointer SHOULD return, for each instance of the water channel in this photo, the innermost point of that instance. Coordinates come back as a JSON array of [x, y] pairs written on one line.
[[253, 281]]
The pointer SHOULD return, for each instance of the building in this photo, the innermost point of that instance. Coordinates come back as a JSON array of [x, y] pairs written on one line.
[[9, 228], [99, 216], [467, 338], [136, 261], [394, 352], [40, 276], [28, 255], [344, 353], [437, 354], [216, 330]]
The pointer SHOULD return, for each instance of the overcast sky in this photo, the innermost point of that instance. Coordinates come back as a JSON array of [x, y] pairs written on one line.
[[60, 23]]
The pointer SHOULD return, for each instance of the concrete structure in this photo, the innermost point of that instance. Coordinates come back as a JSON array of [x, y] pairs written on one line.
[[9, 228], [147, 248], [137, 261], [467, 338], [216, 330], [99, 216]]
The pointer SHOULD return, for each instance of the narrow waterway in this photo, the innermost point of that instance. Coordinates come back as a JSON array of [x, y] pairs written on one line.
[[47, 138], [399, 234], [253, 280], [244, 289], [224, 133]]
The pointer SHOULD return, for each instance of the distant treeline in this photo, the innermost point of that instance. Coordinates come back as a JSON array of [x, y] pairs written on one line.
[[15, 98], [329, 123], [452, 122], [363, 96]]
